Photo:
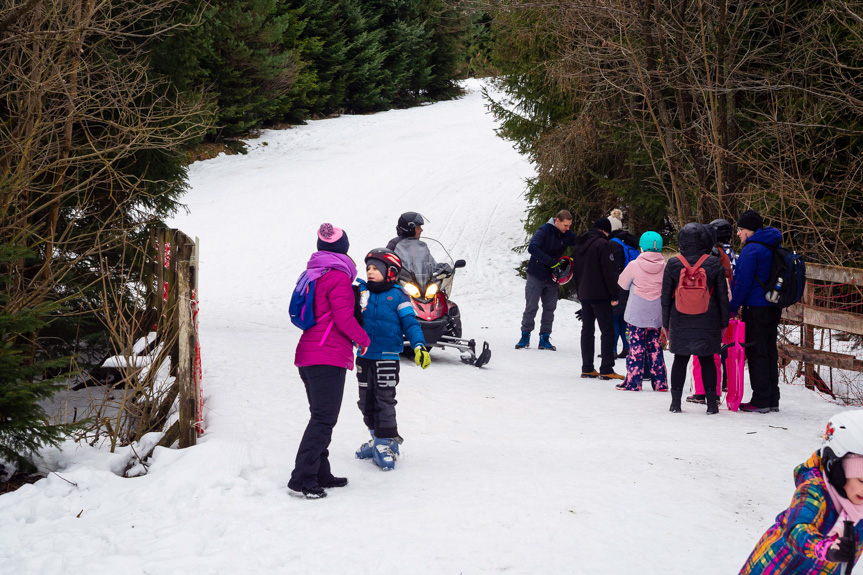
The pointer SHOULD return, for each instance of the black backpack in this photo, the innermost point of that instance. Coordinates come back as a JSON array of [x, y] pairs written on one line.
[[787, 278]]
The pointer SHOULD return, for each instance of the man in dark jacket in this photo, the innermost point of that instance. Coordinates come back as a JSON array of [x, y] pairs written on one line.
[[695, 334], [595, 275], [546, 248], [761, 316]]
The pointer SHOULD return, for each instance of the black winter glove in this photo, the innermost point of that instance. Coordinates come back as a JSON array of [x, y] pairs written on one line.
[[578, 314], [842, 551]]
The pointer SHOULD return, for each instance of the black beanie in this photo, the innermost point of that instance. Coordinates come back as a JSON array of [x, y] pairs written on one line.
[[750, 220], [603, 224]]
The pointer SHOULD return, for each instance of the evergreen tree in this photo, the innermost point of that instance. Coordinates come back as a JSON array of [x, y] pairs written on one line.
[[24, 426], [449, 31], [251, 70], [323, 49], [364, 74]]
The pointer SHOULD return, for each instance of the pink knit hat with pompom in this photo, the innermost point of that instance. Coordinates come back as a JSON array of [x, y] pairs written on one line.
[[332, 239]]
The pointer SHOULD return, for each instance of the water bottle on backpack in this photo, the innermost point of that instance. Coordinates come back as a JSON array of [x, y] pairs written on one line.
[[773, 295]]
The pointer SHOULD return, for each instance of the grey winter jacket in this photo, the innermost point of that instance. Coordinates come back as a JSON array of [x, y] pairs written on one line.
[[695, 334], [643, 280]]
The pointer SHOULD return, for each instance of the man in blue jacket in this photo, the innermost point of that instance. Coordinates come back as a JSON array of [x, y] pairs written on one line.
[[546, 248], [761, 317]]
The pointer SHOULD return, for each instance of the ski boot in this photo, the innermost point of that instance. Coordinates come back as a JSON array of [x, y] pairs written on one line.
[[544, 342], [524, 341], [366, 449], [385, 453]]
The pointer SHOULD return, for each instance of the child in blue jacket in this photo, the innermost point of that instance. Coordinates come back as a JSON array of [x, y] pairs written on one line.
[[387, 317]]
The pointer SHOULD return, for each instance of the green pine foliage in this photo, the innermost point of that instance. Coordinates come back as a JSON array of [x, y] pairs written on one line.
[[251, 69], [364, 74], [24, 426], [478, 54]]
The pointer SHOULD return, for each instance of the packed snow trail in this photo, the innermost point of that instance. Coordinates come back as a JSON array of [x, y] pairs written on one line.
[[518, 467]]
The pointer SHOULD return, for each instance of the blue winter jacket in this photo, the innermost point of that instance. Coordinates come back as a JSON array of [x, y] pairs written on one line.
[[546, 247], [387, 318], [753, 264]]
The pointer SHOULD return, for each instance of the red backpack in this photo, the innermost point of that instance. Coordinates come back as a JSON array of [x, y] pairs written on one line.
[[691, 297]]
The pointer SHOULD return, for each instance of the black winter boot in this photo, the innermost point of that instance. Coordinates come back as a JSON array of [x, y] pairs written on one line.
[[676, 394], [712, 400]]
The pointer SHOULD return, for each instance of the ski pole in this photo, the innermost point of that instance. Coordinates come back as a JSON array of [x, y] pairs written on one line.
[[849, 533]]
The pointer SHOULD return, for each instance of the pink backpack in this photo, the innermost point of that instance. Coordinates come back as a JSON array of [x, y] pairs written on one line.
[[691, 297]]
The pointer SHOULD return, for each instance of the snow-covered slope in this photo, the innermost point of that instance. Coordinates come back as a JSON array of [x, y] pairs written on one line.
[[518, 467]]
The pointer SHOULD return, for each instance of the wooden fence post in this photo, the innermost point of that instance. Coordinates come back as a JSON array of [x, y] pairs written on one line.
[[809, 337], [172, 326], [185, 343], [160, 280]]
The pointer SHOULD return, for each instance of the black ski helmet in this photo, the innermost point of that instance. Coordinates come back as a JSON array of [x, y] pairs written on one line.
[[723, 230], [407, 222], [392, 263]]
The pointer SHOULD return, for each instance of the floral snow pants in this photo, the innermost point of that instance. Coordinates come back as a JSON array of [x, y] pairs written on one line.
[[645, 347]]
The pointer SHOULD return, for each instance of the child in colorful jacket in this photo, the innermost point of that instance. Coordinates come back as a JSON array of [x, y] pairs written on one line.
[[643, 315], [809, 537], [387, 317]]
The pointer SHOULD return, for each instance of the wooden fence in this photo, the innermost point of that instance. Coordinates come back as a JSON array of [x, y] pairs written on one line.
[[820, 311], [173, 305]]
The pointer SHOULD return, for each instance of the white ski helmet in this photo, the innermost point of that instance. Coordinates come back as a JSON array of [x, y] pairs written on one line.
[[843, 435]]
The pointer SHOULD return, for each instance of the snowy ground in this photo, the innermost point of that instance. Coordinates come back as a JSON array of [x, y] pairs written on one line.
[[518, 467]]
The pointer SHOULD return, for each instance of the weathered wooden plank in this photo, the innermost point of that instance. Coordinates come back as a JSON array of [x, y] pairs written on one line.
[[819, 357], [834, 274], [832, 319], [793, 313], [171, 315], [160, 278], [186, 348]]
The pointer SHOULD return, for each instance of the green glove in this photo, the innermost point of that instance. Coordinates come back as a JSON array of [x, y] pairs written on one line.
[[422, 357]]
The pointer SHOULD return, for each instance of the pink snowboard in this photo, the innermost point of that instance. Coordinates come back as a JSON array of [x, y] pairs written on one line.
[[734, 336]]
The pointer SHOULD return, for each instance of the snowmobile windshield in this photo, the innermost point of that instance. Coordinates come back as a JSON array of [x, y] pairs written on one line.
[[424, 260]]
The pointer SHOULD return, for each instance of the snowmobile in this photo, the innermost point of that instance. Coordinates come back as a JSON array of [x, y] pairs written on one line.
[[427, 280]]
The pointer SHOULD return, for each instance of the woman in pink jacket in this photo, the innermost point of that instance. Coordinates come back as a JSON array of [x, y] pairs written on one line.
[[643, 278], [324, 354]]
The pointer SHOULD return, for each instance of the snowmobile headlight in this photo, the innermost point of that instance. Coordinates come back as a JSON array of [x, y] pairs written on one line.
[[431, 291], [412, 290]]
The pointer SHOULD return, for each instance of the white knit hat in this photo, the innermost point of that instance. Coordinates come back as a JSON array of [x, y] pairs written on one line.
[[615, 219]]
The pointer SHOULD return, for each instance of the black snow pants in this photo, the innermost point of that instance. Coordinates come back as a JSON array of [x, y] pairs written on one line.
[[325, 387], [377, 382]]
